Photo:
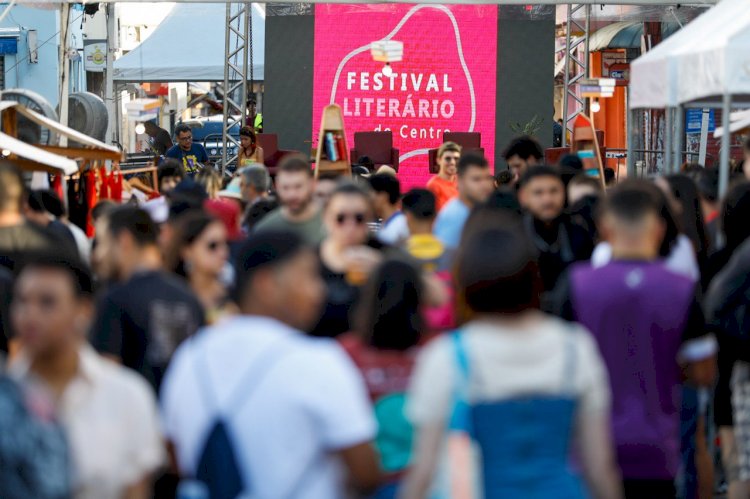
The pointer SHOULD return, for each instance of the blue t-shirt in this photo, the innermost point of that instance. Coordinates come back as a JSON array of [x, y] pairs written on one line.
[[190, 159], [450, 223]]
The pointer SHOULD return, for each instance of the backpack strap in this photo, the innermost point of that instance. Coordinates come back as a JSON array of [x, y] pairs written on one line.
[[460, 417], [570, 361], [247, 384]]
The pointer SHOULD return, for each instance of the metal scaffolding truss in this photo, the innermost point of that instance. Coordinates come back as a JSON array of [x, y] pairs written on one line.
[[237, 53], [573, 58]]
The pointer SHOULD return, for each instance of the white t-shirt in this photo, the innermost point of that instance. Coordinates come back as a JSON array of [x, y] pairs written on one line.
[[308, 403], [111, 420], [681, 260], [394, 231], [507, 363]]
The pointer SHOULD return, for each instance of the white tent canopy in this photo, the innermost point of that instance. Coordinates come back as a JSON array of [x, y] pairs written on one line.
[[189, 45], [707, 59]]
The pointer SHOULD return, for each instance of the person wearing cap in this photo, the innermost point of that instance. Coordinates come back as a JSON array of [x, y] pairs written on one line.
[[228, 213], [297, 410], [254, 118]]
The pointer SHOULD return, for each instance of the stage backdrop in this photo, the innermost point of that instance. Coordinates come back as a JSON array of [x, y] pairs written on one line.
[[446, 80]]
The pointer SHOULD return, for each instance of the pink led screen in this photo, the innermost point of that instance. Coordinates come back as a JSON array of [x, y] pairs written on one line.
[[446, 80]]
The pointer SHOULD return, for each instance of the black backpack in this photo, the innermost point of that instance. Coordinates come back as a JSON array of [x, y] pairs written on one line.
[[218, 466]]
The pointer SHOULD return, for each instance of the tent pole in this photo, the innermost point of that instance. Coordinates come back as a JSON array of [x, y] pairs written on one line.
[[724, 165], [679, 136], [109, 90], [705, 116], [64, 81], [667, 158], [630, 139]]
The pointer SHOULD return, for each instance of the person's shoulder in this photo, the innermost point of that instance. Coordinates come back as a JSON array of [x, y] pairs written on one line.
[[273, 220], [122, 383], [173, 152]]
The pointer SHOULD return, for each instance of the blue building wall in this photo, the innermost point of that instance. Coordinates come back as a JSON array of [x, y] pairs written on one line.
[[42, 76]]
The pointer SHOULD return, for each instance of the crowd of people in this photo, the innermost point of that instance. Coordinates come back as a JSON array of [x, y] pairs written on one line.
[[533, 333]]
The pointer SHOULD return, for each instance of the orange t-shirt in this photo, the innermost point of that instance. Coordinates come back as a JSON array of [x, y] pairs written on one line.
[[444, 190]]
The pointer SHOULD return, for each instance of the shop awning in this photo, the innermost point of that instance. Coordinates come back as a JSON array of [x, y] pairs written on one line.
[[92, 148], [34, 158], [625, 35]]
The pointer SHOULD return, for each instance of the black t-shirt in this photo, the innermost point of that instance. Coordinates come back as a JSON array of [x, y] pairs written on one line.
[[144, 320], [559, 244], [19, 240], [341, 297]]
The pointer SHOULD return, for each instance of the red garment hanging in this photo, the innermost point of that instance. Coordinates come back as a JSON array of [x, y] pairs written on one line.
[[115, 184], [57, 186], [104, 183], [91, 200]]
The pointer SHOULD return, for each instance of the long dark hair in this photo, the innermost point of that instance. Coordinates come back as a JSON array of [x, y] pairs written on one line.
[[188, 229], [686, 193], [497, 272], [247, 131], [389, 312]]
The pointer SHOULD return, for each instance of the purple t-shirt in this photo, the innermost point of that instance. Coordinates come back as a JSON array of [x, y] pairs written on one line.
[[641, 315]]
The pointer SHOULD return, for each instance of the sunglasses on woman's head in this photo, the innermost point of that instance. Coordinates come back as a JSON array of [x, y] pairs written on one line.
[[358, 218]]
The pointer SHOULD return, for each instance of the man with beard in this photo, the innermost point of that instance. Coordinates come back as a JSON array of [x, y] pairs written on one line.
[[558, 241], [295, 187]]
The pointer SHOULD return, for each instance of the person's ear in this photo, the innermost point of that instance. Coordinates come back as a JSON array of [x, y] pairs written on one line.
[[660, 230], [264, 288], [84, 315], [522, 197], [605, 226]]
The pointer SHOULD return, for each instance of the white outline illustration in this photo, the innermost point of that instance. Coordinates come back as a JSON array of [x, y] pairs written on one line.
[[389, 36]]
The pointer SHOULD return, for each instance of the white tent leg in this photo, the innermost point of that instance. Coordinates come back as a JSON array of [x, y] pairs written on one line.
[[109, 88], [667, 159], [679, 136], [704, 136], [725, 140], [629, 138]]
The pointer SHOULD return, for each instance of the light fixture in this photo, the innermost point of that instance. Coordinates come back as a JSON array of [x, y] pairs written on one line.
[[140, 128], [387, 51], [595, 106], [6, 153]]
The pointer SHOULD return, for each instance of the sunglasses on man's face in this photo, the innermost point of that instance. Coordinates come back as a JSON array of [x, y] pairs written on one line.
[[357, 218]]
